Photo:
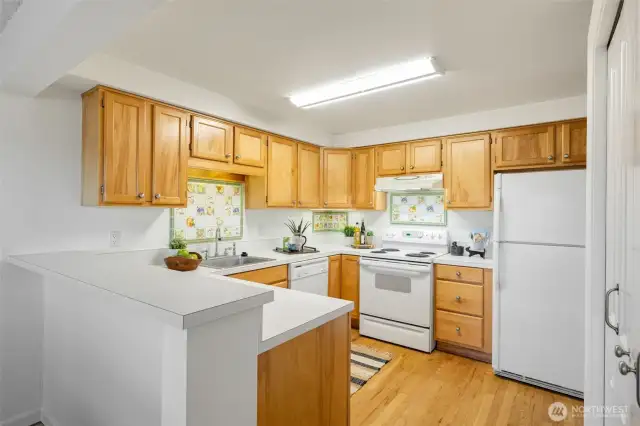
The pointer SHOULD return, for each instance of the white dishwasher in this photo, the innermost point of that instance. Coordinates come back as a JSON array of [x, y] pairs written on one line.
[[310, 276]]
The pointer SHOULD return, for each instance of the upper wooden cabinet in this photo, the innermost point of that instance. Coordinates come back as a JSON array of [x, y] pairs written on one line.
[[125, 148], [336, 170], [391, 159], [467, 173], [282, 182], [211, 139], [525, 147], [170, 154], [309, 185], [425, 156], [573, 142], [365, 197], [135, 152], [250, 147]]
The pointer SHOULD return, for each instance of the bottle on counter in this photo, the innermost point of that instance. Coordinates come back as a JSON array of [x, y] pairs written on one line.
[[356, 234], [363, 234]]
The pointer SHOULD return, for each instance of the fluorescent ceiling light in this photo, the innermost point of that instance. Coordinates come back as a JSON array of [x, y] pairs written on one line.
[[386, 78]]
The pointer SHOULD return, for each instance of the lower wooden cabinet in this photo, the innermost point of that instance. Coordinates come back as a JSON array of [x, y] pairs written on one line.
[[335, 276], [463, 316], [350, 285], [307, 380], [278, 276]]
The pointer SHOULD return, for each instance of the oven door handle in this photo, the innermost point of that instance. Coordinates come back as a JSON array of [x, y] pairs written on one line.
[[383, 266]]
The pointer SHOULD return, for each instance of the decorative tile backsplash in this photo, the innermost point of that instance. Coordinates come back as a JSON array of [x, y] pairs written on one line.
[[210, 205], [329, 221], [419, 208]]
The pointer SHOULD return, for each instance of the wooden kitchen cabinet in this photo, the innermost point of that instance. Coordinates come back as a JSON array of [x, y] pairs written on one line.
[[309, 175], [250, 147], [525, 147], [365, 197], [391, 159], [282, 179], [468, 178], [573, 142], [336, 178], [463, 316], [135, 152], [170, 153], [425, 156], [271, 276], [335, 276], [350, 286], [211, 139]]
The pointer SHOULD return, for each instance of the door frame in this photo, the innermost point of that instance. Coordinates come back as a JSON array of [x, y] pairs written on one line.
[[603, 16]]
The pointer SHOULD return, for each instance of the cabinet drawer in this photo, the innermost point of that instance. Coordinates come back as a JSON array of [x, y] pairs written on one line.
[[459, 273], [281, 284], [273, 275], [460, 297], [460, 329]]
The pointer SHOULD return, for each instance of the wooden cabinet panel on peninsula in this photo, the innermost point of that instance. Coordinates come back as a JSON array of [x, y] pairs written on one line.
[[132, 149], [467, 172], [336, 180], [350, 285]]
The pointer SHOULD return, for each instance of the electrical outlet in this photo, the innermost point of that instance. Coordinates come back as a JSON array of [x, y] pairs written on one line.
[[115, 238]]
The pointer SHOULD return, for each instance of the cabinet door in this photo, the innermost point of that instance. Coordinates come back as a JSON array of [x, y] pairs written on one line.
[[211, 139], [350, 289], [335, 276], [467, 175], [392, 159], [363, 178], [281, 173], [250, 147], [336, 178], [574, 142], [425, 156], [526, 146], [125, 149], [308, 176], [170, 156]]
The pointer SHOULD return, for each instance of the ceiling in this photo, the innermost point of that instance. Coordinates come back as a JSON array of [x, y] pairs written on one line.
[[496, 53]]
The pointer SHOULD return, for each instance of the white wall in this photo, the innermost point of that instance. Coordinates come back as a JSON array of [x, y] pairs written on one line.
[[110, 71], [558, 109]]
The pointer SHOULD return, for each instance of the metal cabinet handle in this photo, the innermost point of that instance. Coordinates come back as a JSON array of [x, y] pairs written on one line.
[[141, 195], [550, 157], [412, 167], [448, 201], [227, 156], [566, 156], [326, 204], [157, 196], [237, 157], [458, 273], [625, 369], [607, 298], [458, 298], [619, 352], [293, 202], [458, 330], [401, 167]]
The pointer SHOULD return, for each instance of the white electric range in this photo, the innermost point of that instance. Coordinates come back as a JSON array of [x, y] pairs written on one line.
[[396, 288]]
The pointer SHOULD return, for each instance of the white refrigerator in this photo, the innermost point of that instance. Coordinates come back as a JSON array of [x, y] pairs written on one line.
[[539, 279]]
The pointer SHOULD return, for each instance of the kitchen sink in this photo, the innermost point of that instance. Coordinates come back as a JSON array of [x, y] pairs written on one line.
[[225, 262]]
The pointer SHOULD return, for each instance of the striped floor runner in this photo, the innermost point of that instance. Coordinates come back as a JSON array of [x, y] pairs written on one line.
[[365, 363]]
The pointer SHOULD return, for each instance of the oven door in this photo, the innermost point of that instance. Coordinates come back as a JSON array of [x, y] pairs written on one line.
[[398, 291]]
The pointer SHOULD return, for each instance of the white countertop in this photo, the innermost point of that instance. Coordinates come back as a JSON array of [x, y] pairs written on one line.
[[473, 262]]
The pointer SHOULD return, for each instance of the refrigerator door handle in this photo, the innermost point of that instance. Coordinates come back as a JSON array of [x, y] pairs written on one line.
[[607, 298]]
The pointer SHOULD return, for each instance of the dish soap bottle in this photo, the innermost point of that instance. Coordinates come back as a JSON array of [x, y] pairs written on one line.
[[356, 235]]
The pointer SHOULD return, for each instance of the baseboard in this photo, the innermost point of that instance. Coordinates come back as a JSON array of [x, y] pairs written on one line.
[[24, 419], [462, 351]]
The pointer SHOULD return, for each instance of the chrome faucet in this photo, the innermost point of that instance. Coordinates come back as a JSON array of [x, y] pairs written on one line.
[[218, 238]]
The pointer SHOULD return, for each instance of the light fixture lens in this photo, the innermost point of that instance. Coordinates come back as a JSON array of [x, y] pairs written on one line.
[[393, 76]]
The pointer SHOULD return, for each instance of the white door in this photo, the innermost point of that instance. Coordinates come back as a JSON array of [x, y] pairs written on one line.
[[623, 223]]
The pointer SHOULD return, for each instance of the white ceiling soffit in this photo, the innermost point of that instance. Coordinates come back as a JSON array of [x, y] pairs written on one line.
[[7, 9], [495, 53]]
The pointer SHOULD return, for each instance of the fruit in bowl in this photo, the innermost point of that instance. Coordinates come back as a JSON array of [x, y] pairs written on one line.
[[183, 261]]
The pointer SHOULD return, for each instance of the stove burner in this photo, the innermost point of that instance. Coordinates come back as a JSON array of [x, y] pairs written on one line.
[[389, 249], [378, 251], [418, 254], [427, 252]]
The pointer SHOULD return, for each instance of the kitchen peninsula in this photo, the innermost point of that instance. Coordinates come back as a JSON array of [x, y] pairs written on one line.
[[128, 342]]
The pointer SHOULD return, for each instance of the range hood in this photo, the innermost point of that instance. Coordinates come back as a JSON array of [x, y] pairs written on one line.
[[432, 181]]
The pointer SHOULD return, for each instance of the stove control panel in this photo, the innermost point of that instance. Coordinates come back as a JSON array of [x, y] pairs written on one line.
[[417, 236]]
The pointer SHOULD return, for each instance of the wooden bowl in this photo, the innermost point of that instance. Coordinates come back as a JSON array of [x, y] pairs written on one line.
[[179, 263]]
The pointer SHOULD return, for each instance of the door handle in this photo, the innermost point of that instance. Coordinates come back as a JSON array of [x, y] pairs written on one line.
[[625, 369], [619, 352], [607, 298]]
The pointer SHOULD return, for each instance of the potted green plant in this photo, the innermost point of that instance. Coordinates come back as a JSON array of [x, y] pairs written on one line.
[[177, 244], [349, 232], [369, 237], [298, 239]]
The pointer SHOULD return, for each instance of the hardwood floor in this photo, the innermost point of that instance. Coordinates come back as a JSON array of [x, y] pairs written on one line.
[[442, 389]]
